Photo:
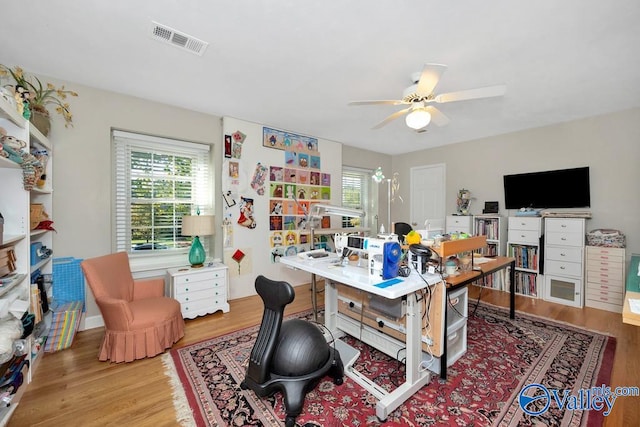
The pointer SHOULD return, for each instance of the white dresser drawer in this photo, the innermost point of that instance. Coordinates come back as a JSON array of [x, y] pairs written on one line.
[[524, 236], [185, 288], [192, 309], [459, 223], [569, 254], [562, 268], [207, 294], [565, 239], [200, 276], [519, 223], [562, 225]]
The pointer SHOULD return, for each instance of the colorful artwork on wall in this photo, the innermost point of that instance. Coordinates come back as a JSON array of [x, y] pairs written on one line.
[[282, 140]]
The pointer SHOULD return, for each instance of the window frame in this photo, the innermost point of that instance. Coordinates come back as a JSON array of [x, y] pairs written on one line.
[[123, 144], [370, 200]]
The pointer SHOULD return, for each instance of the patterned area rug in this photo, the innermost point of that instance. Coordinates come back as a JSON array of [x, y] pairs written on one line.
[[482, 387]]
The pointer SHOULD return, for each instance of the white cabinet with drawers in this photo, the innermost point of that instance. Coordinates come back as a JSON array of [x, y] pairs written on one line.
[[605, 286], [200, 291], [459, 224], [564, 261], [524, 245]]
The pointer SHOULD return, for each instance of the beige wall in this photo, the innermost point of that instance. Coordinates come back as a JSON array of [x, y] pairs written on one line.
[[609, 145], [82, 175], [82, 165]]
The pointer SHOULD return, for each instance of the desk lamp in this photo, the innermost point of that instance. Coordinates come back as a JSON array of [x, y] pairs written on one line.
[[196, 226]]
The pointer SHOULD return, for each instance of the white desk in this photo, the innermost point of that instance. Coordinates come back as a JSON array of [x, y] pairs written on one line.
[[358, 278]]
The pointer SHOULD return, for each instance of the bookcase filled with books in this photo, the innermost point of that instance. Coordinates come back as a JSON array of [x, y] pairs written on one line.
[[494, 228], [525, 245]]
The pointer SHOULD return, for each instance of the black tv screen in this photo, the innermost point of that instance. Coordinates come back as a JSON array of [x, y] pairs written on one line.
[[565, 188]]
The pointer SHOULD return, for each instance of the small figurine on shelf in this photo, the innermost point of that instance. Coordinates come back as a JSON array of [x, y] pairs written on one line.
[[464, 202]]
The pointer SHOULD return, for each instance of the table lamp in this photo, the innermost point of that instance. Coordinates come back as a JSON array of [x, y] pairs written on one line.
[[196, 226]]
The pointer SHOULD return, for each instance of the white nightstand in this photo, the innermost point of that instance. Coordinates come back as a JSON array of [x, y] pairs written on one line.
[[200, 291]]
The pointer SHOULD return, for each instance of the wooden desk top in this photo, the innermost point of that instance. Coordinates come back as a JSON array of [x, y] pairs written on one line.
[[488, 267], [629, 316]]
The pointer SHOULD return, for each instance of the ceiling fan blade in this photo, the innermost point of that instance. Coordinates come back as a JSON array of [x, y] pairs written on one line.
[[483, 92], [380, 102], [429, 78], [437, 116], [392, 117]]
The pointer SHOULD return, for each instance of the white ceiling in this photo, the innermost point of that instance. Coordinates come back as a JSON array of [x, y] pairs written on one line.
[[295, 64]]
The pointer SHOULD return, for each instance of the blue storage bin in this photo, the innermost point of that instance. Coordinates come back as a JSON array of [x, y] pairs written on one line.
[[68, 280]]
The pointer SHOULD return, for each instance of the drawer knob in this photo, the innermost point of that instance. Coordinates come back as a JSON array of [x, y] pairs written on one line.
[[563, 254], [186, 289], [562, 267]]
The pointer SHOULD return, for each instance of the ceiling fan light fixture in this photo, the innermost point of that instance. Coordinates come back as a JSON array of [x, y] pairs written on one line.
[[418, 118]]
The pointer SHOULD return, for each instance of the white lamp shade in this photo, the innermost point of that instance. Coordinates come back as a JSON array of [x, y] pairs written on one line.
[[198, 225], [418, 118]]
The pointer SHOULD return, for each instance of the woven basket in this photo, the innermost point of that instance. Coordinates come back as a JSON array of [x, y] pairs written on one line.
[[606, 237]]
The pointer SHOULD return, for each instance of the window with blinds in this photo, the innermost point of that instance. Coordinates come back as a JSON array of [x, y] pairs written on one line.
[[157, 182], [356, 193]]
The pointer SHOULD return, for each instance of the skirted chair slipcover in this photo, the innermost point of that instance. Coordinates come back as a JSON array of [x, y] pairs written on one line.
[[139, 320]]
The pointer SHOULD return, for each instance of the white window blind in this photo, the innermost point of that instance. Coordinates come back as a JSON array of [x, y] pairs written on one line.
[[356, 193], [157, 182]]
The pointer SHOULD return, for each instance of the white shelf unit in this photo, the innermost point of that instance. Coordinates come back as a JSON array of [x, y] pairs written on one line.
[[495, 229], [605, 287], [525, 245], [564, 260], [458, 224], [15, 203]]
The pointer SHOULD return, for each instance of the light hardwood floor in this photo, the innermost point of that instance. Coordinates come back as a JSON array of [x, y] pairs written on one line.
[[72, 388]]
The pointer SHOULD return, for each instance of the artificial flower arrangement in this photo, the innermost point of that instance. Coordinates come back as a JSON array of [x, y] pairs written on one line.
[[38, 95]]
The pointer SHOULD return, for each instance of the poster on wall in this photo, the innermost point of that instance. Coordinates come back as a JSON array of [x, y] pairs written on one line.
[[281, 140]]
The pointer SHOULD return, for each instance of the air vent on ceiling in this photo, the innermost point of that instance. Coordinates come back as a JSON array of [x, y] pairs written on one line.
[[169, 35]]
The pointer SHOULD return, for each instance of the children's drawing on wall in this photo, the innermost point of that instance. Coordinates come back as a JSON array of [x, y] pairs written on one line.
[[237, 139], [276, 190], [275, 222], [281, 140], [276, 254], [275, 207], [276, 174], [314, 162], [291, 238], [227, 146], [277, 239], [289, 222], [246, 213], [290, 175], [325, 193], [314, 194], [325, 179], [314, 178], [291, 158], [289, 191], [303, 177], [259, 176], [234, 169], [301, 192], [303, 160], [304, 238], [290, 251]]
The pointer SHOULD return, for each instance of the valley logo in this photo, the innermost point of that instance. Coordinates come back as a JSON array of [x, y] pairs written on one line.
[[535, 399]]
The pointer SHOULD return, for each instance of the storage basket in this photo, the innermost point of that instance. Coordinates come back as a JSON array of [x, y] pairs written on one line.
[[64, 325], [68, 280], [606, 237]]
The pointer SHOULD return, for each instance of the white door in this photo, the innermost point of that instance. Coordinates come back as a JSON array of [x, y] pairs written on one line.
[[428, 187]]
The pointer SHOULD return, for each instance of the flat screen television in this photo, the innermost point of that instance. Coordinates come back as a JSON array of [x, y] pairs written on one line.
[[565, 188]]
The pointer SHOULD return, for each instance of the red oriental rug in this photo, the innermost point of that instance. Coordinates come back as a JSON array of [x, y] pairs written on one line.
[[503, 356]]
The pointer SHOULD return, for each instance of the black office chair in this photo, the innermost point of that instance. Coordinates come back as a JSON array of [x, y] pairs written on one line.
[[291, 356], [401, 229]]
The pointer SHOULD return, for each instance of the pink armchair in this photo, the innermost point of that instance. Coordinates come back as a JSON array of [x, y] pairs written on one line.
[[139, 320]]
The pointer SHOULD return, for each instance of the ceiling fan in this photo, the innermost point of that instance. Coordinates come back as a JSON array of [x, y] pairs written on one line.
[[420, 95]]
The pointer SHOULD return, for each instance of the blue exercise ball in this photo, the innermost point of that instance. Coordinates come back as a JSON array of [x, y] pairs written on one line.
[[302, 349]]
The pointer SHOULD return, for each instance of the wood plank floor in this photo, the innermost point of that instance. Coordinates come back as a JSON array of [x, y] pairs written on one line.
[[72, 388]]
